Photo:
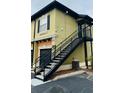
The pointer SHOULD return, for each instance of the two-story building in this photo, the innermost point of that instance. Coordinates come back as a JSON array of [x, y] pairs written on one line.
[[59, 36]]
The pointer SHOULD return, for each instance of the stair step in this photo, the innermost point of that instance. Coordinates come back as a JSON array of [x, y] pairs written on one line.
[[53, 65], [39, 77], [60, 55], [49, 64], [56, 61], [47, 67], [58, 58], [47, 71], [65, 52]]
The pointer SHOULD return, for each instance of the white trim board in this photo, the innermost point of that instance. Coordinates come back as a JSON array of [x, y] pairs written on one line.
[[42, 38], [44, 47]]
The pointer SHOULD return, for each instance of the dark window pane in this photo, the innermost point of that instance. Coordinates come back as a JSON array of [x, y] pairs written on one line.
[[48, 22], [38, 26]]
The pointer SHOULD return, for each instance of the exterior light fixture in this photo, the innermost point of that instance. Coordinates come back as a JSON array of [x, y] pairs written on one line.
[[66, 12]]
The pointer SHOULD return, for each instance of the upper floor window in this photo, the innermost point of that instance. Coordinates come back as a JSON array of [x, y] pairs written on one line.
[[44, 23]]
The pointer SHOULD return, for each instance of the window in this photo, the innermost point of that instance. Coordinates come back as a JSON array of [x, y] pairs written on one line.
[[44, 23]]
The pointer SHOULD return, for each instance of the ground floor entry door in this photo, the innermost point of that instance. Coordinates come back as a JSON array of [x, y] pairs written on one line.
[[45, 57]]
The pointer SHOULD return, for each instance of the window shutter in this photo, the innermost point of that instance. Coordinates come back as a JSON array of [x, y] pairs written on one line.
[[38, 26], [48, 22]]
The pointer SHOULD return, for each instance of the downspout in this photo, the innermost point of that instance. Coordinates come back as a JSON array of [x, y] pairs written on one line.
[[34, 37]]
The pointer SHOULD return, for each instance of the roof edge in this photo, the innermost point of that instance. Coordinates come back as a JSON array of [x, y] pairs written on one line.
[[52, 5]]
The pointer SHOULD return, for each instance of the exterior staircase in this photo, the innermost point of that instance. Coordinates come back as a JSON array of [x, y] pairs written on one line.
[[60, 53]]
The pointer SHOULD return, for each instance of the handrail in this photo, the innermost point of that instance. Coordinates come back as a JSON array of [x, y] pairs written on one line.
[[66, 38], [58, 48], [70, 36]]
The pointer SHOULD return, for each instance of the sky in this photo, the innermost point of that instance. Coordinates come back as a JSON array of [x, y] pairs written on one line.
[[79, 6]]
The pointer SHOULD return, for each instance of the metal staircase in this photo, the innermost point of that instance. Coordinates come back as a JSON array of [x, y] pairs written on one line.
[[60, 53]]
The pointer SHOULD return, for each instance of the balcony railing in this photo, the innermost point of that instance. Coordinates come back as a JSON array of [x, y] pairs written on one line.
[[87, 33]]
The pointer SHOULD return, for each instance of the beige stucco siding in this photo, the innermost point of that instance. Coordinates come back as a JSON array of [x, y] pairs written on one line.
[[64, 26]]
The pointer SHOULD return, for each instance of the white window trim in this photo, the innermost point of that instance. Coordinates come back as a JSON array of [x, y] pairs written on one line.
[[44, 31]]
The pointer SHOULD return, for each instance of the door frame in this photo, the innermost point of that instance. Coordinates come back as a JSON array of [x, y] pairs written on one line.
[[44, 49]]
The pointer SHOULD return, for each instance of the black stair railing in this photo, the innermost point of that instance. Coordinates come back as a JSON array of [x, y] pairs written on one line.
[[57, 49], [71, 43], [62, 45], [87, 34]]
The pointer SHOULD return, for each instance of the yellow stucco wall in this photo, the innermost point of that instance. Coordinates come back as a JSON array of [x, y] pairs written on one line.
[[64, 26], [31, 45], [61, 25], [77, 54], [47, 33], [32, 30]]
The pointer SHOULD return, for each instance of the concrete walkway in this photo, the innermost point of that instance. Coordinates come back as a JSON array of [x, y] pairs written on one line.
[[82, 83]]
